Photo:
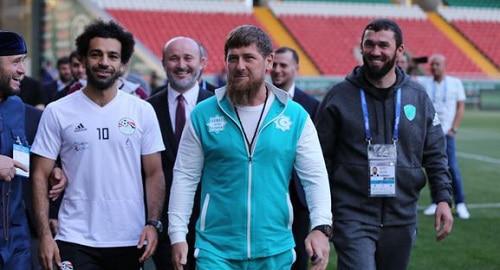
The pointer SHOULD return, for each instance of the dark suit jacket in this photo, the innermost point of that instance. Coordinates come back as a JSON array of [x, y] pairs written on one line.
[[207, 86], [31, 120], [160, 104], [50, 90]]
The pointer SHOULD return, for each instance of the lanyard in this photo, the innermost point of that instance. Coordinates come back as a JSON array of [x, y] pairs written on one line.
[[434, 90], [250, 143], [366, 116]]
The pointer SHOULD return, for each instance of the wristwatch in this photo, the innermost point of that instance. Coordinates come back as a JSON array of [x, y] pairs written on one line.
[[454, 130], [325, 229], [156, 224]]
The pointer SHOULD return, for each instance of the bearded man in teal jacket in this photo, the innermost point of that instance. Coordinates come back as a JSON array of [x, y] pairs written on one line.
[[242, 144]]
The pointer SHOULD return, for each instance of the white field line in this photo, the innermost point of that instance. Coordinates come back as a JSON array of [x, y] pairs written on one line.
[[495, 161], [472, 206]]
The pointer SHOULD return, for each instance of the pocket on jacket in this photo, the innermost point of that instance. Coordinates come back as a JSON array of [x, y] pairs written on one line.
[[204, 209]]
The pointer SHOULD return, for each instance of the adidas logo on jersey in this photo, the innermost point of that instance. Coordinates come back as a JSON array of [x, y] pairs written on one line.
[[80, 127]]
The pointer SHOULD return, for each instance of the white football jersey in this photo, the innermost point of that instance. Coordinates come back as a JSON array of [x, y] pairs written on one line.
[[100, 150]]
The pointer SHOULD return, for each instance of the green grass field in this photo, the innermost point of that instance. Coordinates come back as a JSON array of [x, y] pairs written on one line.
[[473, 243]]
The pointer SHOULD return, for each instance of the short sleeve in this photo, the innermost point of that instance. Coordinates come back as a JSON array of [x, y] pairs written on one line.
[[48, 140], [152, 141]]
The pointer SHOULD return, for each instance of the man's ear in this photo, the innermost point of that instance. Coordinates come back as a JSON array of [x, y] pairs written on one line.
[[269, 62]]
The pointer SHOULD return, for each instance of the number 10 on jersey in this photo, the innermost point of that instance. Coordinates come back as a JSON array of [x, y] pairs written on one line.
[[103, 133]]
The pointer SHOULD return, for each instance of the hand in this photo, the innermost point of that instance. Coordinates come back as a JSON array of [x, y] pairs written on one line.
[[443, 222], [8, 168], [451, 132], [318, 249], [179, 255], [150, 236], [53, 225], [48, 252], [58, 182]]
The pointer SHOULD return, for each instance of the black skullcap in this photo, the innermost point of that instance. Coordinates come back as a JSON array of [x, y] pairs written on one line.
[[11, 44]]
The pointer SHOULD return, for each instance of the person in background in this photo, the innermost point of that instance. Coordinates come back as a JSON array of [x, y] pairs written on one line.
[[182, 61], [285, 69], [448, 97]]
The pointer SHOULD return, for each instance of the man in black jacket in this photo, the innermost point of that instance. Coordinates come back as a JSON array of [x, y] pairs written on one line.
[[378, 117], [285, 68], [182, 61]]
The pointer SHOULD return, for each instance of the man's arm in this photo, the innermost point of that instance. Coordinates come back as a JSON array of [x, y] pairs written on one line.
[[459, 115], [435, 163], [187, 173], [155, 195], [40, 172], [155, 184], [311, 171]]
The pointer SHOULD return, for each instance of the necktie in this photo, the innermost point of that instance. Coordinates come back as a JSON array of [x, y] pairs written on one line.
[[180, 117]]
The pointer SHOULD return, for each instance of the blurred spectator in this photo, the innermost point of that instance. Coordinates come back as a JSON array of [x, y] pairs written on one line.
[[132, 88], [203, 83], [221, 77], [79, 76], [138, 79], [448, 97], [155, 81], [32, 93], [64, 79]]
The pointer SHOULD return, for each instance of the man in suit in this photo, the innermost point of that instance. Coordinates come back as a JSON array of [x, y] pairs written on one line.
[[285, 68], [183, 62], [203, 83]]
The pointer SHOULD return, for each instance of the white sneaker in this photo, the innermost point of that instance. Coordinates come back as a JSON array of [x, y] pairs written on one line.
[[462, 211], [430, 210]]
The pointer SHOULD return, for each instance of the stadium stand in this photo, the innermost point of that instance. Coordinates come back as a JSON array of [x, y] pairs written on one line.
[[347, 1], [474, 3], [480, 25], [153, 22], [330, 33]]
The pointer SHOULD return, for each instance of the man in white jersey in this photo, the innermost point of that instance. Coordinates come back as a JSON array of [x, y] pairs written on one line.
[[103, 137], [448, 97]]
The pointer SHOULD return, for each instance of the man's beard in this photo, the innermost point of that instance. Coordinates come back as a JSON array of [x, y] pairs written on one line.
[[5, 89], [241, 93], [100, 84], [378, 73], [183, 84]]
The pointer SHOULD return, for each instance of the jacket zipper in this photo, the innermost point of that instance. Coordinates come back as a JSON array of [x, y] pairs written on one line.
[[250, 160]]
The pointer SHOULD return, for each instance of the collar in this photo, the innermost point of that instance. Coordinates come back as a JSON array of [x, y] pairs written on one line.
[[281, 95], [191, 95], [291, 91]]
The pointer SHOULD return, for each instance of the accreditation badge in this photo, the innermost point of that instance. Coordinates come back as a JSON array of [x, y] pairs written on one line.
[[22, 154], [382, 165]]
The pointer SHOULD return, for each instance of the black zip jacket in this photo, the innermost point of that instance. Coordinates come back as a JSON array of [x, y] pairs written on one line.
[[421, 146]]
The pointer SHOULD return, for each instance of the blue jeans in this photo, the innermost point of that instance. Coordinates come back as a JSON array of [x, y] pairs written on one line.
[[456, 177]]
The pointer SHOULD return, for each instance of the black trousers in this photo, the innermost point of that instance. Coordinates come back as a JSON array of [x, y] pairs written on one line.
[[90, 258], [370, 247]]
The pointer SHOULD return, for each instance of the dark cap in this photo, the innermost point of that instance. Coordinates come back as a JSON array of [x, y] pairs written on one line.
[[11, 44]]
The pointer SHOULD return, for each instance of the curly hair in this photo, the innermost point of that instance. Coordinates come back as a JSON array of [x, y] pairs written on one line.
[[103, 29]]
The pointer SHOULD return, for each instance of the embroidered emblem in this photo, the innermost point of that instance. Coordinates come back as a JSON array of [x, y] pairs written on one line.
[[283, 123], [435, 120], [126, 126], [410, 111], [216, 124]]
